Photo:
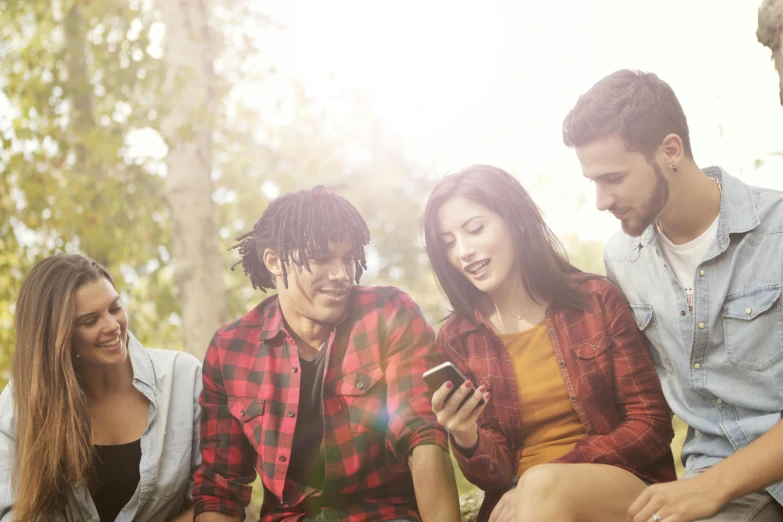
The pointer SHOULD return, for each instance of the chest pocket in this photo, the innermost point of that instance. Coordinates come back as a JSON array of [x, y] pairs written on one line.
[[646, 322], [753, 328], [250, 412], [364, 399]]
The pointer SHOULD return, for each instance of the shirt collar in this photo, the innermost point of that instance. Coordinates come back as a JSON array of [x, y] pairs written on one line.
[[141, 363], [737, 209]]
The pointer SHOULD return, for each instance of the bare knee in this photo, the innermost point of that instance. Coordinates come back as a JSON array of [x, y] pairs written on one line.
[[542, 484]]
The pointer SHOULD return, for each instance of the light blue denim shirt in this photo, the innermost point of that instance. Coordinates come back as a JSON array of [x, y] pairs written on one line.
[[171, 381], [722, 370]]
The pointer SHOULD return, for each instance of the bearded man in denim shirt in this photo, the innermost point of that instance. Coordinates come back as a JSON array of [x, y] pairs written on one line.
[[700, 259]]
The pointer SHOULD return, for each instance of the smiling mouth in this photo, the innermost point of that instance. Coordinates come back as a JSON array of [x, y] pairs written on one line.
[[109, 344], [336, 294], [477, 267]]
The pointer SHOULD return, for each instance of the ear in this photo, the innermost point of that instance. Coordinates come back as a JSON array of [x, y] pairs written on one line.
[[273, 262], [672, 151]]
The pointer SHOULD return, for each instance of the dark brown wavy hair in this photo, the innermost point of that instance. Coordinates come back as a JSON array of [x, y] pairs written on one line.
[[539, 257], [53, 444]]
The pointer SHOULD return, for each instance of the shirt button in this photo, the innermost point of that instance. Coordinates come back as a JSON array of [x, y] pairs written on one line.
[[591, 431], [682, 313], [291, 413], [360, 385], [595, 347], [748, 311], [701, 326], [573, 399], [551, 332], [282, 458], [562, 364], [242, 412], [697, 366], [719, 401], [294, 369], [702, 272]]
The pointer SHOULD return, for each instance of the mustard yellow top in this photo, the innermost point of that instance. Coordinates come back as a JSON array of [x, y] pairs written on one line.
[[551, 426]]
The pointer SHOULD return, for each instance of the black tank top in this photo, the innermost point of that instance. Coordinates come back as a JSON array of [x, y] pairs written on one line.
[[117, 470]]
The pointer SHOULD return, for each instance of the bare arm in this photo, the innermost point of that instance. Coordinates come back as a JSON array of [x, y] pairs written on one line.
[[212, 516], [434, 484], [753, 468]]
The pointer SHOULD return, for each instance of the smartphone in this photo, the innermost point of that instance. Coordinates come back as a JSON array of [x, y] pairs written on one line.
[[436, 377]]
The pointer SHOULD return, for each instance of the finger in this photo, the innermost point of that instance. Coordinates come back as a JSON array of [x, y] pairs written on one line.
[[450, 408], [654, 506], [439, 397], [478, 408], [638, 504], [498, 510]]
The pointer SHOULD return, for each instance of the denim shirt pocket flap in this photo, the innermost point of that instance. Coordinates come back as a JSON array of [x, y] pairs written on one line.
[[245, 408], [358, 383], [750, 304], [591, 349], [642, 314]]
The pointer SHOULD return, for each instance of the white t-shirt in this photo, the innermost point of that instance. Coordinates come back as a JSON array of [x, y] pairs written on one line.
[[683, 259]]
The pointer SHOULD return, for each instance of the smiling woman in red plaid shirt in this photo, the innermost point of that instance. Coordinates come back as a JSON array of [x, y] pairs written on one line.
[[574, 424], [319, 388]]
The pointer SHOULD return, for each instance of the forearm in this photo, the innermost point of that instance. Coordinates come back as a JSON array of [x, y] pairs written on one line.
[[751, 469], [212, 516], [434, 484]]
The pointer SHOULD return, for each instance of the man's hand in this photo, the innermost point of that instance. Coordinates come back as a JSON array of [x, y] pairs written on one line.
[[505, 509], [680, 501], [461, 422]]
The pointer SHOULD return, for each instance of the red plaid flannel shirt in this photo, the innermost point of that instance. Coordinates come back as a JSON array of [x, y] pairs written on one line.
[[374, 409], [608, 373]]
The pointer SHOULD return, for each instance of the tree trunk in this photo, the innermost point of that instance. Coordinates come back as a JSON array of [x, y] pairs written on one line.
[[770, 33], [187, 129]]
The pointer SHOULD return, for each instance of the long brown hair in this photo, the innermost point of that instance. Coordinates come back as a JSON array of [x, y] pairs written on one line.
[[539, 258], [54, 444]]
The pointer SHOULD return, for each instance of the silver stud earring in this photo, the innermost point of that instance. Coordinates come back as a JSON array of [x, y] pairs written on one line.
[[674, 168]]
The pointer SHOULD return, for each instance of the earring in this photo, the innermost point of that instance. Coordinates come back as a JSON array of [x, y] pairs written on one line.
[[674, 168], [78, 355]]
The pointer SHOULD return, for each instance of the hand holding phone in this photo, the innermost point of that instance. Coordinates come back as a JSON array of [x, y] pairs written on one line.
[[436, 377], [461, 422]]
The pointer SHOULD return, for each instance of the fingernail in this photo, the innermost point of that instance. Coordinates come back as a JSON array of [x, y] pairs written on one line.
[[487, 396], [482, 388], [468, 384], [449, 385]]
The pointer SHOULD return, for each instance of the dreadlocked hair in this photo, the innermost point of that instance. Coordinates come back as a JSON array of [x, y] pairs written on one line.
[[299, 226]]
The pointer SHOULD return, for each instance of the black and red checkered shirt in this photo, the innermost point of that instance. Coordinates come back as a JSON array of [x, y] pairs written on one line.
[[374, 410]]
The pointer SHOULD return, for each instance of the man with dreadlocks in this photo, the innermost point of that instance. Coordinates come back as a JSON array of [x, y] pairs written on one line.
[[319, 388]]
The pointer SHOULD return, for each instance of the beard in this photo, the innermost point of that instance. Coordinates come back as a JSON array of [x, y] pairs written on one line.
[[649, 210]]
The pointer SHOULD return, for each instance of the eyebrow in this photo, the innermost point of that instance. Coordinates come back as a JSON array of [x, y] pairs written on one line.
[[609, 174], [83, 316]]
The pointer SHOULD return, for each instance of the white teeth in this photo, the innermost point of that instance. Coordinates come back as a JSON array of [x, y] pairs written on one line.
[[479, 267], [110, 343]]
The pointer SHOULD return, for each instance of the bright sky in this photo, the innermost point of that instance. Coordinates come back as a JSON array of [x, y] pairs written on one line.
[[490, 82]]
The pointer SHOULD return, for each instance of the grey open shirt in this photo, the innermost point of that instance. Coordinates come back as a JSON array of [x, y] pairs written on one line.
[[171, 381]]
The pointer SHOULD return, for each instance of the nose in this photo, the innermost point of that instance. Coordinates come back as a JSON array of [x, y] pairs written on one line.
[[465, 251], [604, 199], [338, 271], [111, 324]]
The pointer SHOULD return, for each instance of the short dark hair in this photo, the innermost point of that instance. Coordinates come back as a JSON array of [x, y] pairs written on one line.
[[539, 258], [638, 106], [298, 226]]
